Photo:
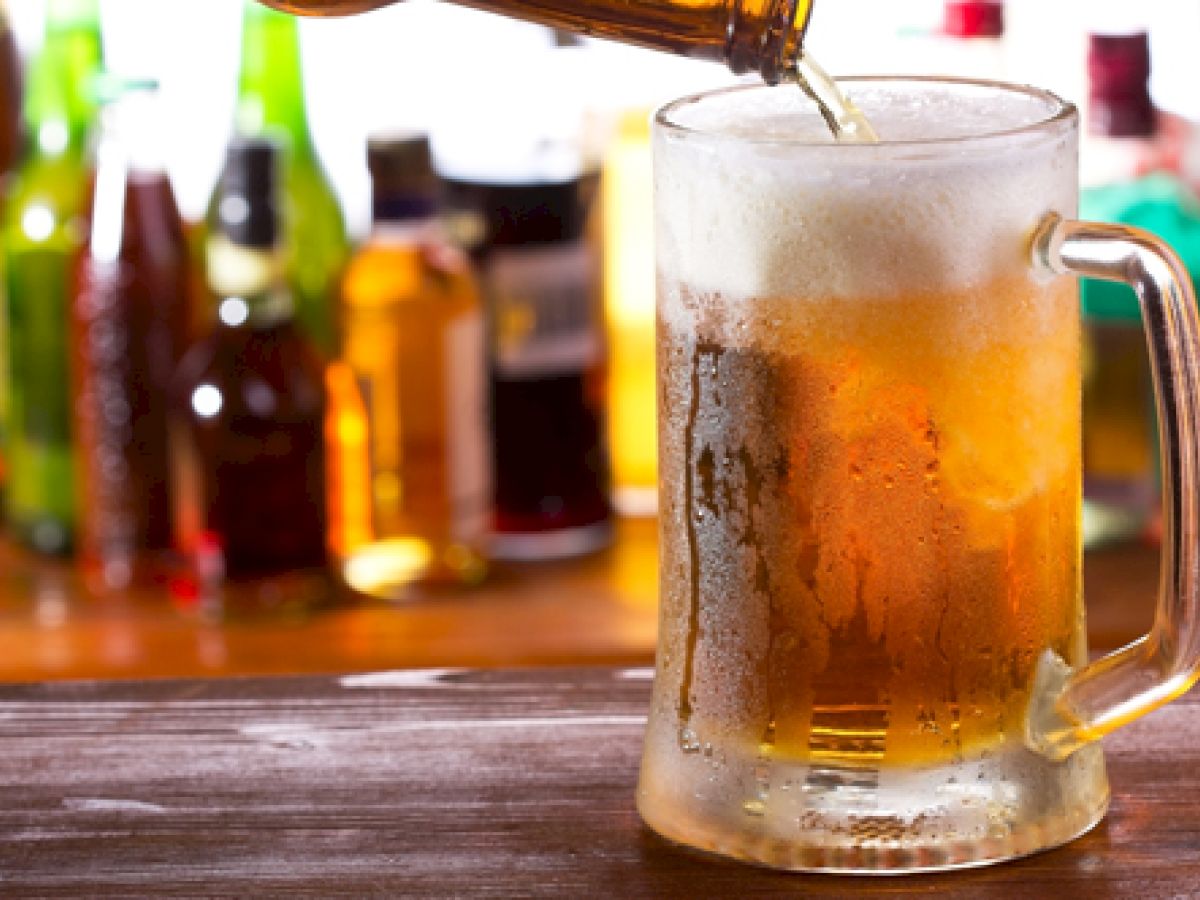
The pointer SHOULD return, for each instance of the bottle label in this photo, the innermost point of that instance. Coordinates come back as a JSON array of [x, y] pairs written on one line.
[[544, 310], [468, 467]]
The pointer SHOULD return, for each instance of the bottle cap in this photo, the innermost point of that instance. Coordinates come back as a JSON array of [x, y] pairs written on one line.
[[405, 185], [246, 204], [974, 18], [401, 161], [1119, 101]]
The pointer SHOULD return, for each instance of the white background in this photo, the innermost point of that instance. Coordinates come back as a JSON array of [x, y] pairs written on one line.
[[482, 79]]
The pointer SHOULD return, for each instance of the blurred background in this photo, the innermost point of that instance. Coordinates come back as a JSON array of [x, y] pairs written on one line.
[[328, 343], [420, 63]]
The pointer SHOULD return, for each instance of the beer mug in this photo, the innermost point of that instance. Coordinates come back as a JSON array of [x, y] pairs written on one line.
[[872, 652]]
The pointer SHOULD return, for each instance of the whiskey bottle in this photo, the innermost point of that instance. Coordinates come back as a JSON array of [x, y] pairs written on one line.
[[410, 495]]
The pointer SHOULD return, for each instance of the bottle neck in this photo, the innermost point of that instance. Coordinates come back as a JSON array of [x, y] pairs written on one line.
[[401, 208], [766, 36], [271, 83], [249, 284], [129, 133], [58, 108], [763, 36]]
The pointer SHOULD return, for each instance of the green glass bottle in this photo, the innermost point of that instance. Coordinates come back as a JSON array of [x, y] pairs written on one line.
[[271, 104], [42, 232]]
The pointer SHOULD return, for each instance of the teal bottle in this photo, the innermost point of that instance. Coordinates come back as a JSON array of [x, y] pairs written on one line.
[[43, 230]]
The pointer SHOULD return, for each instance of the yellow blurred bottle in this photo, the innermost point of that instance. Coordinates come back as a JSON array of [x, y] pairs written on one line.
[[410, 488], [628, 217]]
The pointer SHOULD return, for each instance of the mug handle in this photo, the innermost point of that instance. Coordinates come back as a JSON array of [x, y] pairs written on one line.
[[1072, 708]]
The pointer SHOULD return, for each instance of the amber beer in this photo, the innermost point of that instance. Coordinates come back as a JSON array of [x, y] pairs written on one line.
[[869, 464], [747, 35]]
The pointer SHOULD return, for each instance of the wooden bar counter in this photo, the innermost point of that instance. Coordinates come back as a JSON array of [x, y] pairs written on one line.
[[455, 783], [468, 779], [593, 611]]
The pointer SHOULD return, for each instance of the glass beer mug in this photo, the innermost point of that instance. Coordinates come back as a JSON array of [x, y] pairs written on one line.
[[872, 647]]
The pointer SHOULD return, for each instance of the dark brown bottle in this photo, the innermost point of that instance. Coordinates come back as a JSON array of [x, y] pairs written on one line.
[[539, 275], [128, 331], [763, 36], [248, 413], [10, 94]]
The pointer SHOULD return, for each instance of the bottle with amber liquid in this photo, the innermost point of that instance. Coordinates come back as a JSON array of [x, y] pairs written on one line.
[[43, 228], [247, 418], [129, 316], [763, 36], [410, 493], [271, 104]]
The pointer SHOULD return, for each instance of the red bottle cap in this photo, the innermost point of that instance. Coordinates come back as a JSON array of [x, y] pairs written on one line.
[[974, 18], [1119, 85]]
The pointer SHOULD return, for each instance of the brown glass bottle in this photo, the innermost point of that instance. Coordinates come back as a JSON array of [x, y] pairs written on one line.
[[763, 36], [248, 417], [10, 93], [128, 331], [540, 281]]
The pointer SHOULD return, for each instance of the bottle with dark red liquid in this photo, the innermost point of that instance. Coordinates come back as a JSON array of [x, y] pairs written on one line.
[[10, 93], [540, 280], [129, 315], [248, 416]]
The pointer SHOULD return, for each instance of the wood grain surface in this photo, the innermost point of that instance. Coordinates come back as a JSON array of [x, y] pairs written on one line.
[[455, 783]]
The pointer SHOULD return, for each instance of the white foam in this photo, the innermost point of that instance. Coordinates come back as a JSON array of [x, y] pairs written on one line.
[[784, 212]]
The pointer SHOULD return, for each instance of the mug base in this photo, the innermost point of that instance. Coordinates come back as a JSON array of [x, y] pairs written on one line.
[[816, 818]]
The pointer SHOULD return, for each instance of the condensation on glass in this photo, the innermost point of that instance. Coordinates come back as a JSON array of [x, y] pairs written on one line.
[[872, 650]]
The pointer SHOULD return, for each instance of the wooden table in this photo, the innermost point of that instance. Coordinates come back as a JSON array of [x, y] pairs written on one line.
[[454, 784], [593, 611]]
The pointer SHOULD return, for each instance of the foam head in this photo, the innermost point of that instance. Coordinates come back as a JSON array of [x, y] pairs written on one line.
[[754, 199]]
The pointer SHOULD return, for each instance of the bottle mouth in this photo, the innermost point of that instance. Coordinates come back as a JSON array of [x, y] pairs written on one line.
[[772, 43]]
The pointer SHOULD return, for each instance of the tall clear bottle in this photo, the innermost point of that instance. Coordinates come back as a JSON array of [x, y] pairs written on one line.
[[410, 488], [43, 229], [271, 104], [247, 418], [763, 36], [129, 323]]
